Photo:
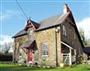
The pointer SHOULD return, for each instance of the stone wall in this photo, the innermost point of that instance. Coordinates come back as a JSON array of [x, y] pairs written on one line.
[[18, 42], [71, 38], [47, 36], [52, 38]]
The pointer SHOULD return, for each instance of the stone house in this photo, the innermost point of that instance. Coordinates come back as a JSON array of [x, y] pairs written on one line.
[[52, 41]]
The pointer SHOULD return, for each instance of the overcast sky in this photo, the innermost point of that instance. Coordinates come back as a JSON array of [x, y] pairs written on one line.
[[12, 19]]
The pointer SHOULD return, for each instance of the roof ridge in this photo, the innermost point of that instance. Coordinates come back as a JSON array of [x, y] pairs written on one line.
[[49, 17]]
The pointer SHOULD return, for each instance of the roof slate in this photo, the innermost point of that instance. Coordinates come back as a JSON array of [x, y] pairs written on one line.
[[87, 50], [52, 21], [49, 22], [22, 32], [27, 44]]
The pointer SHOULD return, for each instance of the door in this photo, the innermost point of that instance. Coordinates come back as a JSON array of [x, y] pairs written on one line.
[[30, 56]]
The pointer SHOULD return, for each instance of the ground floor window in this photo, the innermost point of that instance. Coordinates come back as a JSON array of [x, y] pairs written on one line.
[[44, 48]]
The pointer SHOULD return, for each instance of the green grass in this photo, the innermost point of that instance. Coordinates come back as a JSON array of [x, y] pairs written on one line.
[[15, 67]]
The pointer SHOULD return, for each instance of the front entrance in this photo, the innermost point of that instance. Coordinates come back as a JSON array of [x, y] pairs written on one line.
[[30, 56], [30, 48]]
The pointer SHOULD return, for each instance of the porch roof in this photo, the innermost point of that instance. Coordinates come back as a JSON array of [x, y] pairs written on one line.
[[20, 33], [27, 44], [66, 45]]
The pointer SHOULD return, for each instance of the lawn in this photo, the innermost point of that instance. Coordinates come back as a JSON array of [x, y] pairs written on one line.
[[15, 67]]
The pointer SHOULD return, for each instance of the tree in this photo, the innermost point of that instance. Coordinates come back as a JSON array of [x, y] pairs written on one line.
[[84, 40], [7, 47]]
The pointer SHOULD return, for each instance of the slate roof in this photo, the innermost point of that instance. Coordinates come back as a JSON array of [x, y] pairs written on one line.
[[23, 31], [29, 22], [20, 33], [87, 50], [52, 21], [27, 44], [47, 23], [35, 24]]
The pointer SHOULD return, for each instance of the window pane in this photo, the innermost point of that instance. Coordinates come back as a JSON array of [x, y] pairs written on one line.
[[44, 49], [64, 30]]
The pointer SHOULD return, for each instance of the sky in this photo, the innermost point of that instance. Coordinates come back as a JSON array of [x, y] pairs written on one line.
[[12, 19]]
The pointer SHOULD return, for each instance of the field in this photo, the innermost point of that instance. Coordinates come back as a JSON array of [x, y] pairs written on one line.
[[15, 67]]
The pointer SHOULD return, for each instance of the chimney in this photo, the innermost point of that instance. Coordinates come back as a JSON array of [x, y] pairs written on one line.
[[66, 9]]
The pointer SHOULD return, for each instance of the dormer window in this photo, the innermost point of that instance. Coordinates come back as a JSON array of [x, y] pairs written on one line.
[[64, 30]]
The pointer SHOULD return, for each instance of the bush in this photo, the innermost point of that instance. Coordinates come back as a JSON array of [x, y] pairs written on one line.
[[6, 57], [80, 59]]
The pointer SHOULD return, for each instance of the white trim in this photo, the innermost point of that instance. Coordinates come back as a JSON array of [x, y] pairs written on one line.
[[66, 45], [70, 58]]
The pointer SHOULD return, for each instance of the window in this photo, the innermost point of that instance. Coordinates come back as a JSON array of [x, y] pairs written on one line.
[[30, 31], [64, 30], [74, 36], [44, 48]]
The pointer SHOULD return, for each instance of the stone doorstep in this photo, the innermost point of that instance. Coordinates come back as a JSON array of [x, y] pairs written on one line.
[[48, 66], [41, 66], [45, 66]]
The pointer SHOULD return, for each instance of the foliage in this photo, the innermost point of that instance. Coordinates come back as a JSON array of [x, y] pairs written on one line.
[[6, 57], [80, 59], [5, 48], [83, 38]]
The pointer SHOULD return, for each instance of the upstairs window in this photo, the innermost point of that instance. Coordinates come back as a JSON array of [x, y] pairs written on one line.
[[64, 30], [74, 36], [44, 48], [30, 31]]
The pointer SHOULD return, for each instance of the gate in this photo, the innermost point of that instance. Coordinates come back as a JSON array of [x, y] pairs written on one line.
[[66, 58]]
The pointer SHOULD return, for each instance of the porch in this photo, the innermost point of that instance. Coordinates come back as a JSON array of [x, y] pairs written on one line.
[[68, 53], [26, 52]]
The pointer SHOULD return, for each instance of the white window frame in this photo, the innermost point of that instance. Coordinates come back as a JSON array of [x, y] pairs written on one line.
[[64, 30], [44, 48]]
